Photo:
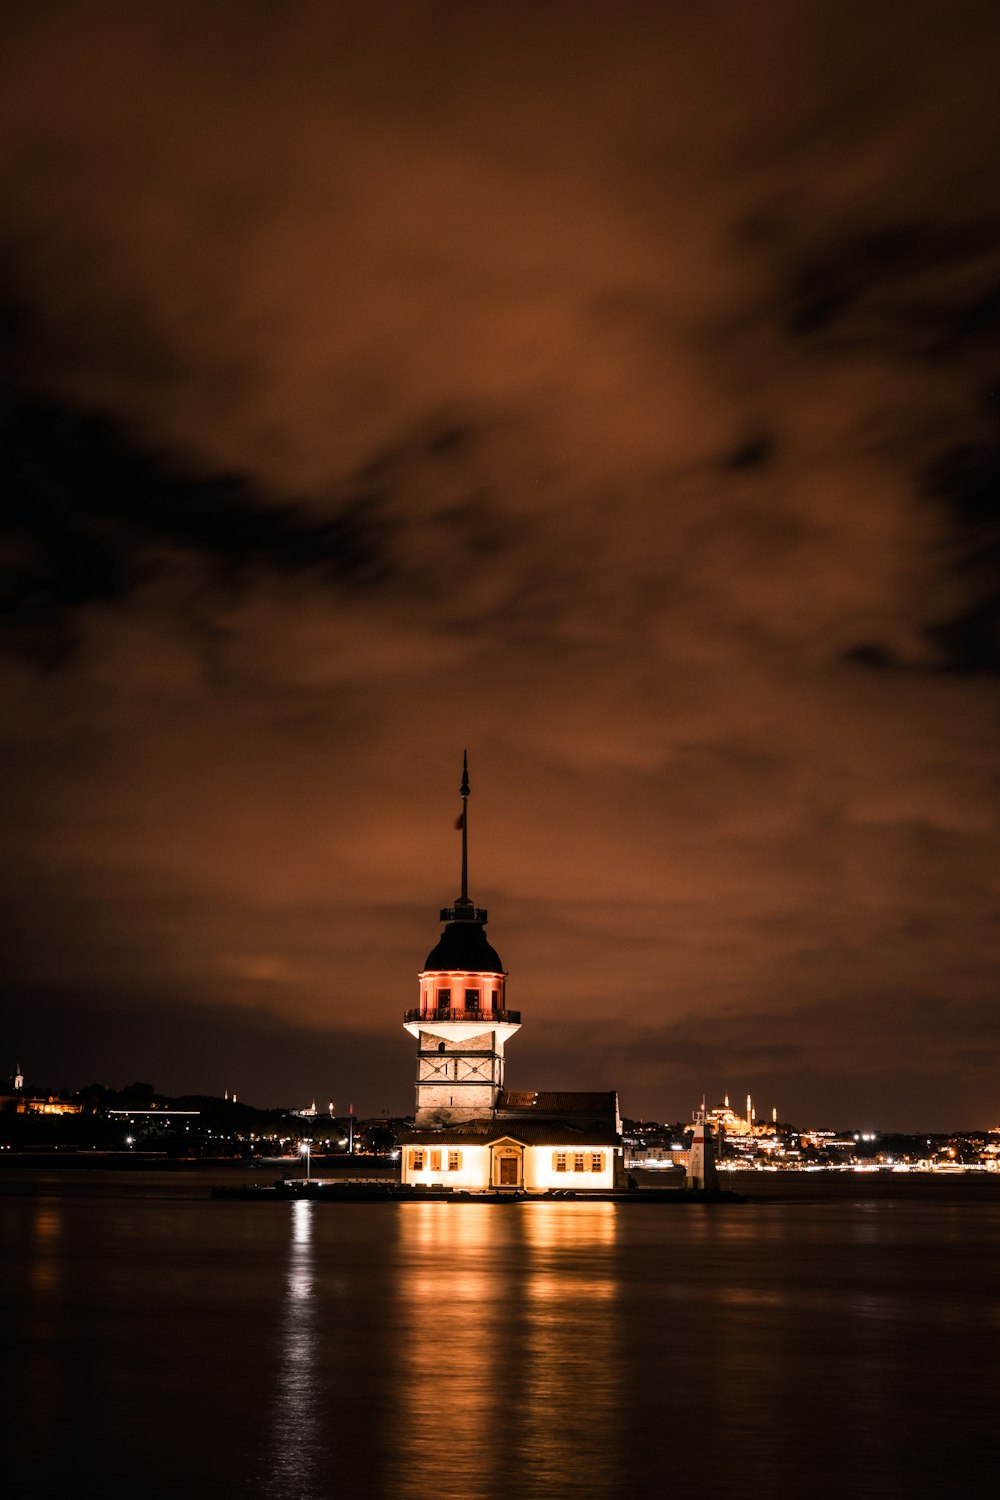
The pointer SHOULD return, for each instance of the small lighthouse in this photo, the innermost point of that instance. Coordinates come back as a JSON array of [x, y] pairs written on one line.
[[701, 1161], [462, 1023]]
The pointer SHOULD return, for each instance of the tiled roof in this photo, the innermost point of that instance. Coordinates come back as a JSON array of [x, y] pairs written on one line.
[[554, 1133], [534, 1119], [571, 1134], [475, 1133], [600, 1103]]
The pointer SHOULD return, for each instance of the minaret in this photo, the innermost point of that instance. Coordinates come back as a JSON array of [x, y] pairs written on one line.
[[462, 1023]]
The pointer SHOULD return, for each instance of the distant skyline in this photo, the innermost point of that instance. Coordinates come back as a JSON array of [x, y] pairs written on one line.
[[611, 395]]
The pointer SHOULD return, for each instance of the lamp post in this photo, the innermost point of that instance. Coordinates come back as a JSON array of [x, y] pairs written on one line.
[[305, 1149]]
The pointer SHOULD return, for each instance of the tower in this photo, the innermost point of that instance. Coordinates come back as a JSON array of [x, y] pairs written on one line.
[[462, 1023], [701, 1161]]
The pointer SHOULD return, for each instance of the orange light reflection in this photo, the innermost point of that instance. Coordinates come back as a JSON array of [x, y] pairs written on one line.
[[509, 1344]]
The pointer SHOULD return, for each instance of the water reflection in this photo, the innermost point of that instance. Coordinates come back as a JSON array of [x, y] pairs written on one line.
[[297, 1462], [46, 1263], [508, 1346], [766, 1351]]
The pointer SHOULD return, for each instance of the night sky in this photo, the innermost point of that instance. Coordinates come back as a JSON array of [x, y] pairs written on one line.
[[608, 390]]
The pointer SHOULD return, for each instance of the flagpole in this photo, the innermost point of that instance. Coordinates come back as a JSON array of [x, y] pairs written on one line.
[[464, 791]]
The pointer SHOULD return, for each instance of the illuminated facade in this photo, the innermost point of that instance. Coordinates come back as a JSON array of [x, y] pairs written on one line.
[[471, 1133], [534, 1143], [50, 1105], [24, 1101], [726, 1121]]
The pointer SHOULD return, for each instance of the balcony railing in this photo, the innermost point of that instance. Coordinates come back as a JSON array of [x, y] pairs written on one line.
[[452, 1013]]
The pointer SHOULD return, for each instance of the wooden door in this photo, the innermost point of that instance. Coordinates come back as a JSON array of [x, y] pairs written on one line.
[[510, 1175]]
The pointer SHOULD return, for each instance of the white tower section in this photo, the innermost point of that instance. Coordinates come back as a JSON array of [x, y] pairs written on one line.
[[701, 1162], [462, 1023]]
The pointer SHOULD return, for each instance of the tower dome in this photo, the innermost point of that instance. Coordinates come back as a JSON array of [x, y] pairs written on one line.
[[464, 945]]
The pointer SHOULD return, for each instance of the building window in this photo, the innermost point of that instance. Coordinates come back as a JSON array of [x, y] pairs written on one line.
[[559, 1161], [597, 1161], [578, 1162], [435, 1161], [416, 1161], [454, 1161], [472, 999], [440, 1046]]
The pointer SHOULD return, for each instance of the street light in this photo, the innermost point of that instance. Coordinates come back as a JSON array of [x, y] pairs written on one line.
[[305, 1148]]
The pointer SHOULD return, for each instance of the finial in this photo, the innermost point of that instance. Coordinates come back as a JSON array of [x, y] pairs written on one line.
[[464, 824], [464, 910]]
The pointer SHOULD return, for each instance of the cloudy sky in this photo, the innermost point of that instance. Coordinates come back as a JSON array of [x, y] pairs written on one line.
[[608, 390]]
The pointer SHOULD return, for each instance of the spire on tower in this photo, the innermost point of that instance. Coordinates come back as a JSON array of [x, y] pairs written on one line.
[[463, 823], [464, 909]]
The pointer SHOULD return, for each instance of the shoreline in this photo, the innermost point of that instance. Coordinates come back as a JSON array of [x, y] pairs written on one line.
[[394, 1192]]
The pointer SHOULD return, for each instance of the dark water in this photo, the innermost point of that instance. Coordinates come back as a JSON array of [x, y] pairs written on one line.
[[838, 1340]]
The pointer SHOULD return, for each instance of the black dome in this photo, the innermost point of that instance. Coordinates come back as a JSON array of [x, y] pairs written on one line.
[[463, 945]]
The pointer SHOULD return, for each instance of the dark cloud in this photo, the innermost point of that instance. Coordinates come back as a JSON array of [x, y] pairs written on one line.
[[966, 479], [756, 452], [870, 654], [88, 516], [890, 286]]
